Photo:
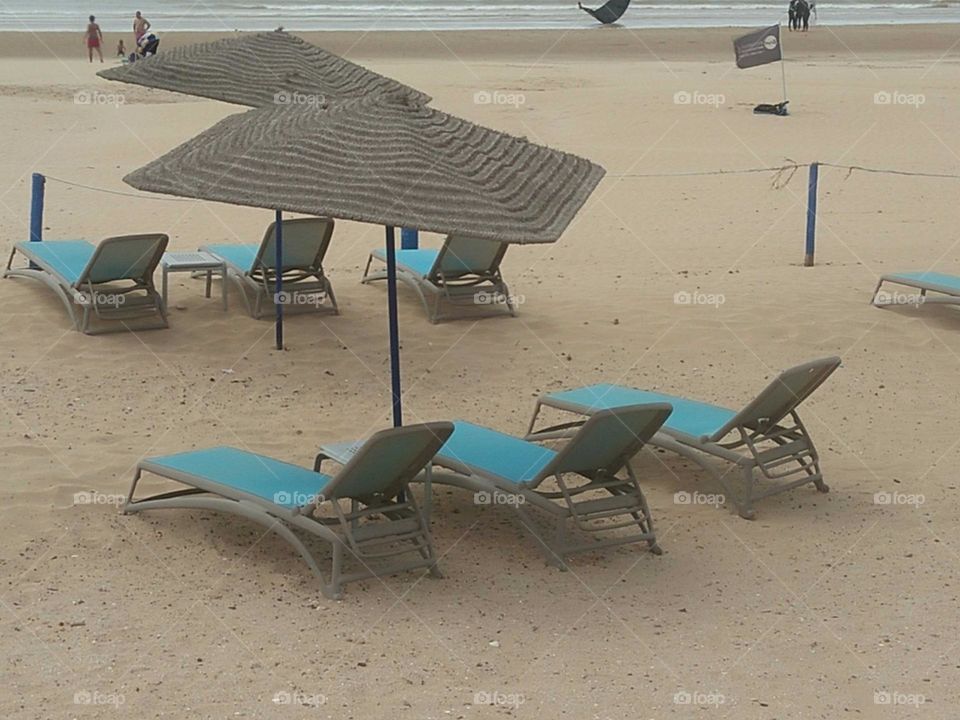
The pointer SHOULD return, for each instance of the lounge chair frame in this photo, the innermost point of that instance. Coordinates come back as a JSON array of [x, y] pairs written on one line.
[[948, 295], [91, 297], [574, 502], [376, 546], [257, 284], [463, 272], [767, 436]]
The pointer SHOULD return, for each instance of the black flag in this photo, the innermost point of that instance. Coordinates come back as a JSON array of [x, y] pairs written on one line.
[[610, 12], [758, 48]]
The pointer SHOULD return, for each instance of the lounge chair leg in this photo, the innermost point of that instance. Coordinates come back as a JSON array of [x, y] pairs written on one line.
[[821, 486], [366, 270], [746, 505], [133, 486], [334, 591], [505, 291], [555, 554], [333, 298], [427, 553]]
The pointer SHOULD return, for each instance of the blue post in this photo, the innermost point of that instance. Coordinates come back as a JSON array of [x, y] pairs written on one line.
[[812, 214], [278, 298], [394, 326], [409, 239], [36, 207]]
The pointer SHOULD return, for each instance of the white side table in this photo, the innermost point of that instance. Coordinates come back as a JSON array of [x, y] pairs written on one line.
[[192, 262]]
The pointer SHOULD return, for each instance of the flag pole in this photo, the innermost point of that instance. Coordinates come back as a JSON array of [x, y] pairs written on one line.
[[783, 71]]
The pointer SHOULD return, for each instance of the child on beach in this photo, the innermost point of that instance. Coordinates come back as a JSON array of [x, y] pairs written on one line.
[[93, 37], [121, 50]]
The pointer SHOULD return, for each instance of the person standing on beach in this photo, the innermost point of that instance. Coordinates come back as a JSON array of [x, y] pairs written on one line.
[[792, 15], [140, 27], [94, 38], [803, 14]]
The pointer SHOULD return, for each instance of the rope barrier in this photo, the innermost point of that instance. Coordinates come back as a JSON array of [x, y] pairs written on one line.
[[790, 167], [783, 174], [888, 171], [692, 173], [117, 192]]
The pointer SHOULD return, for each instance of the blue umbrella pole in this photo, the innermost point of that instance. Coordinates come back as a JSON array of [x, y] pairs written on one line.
[[394, 326], [278, 289]]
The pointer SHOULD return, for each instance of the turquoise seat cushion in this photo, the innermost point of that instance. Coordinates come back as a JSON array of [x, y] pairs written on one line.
[[240, 257], [948, 283], [64, 258], [419, 262], [281, 483], [489, 452], [689, 417]]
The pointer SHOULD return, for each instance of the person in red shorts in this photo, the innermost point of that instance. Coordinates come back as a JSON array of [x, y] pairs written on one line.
[[94, 38], [140, 27]]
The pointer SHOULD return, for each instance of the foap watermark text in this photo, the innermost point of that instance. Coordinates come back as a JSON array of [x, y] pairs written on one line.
[[682, 297], [499, 698], [499, 97], [894, 697], [684, 697], [95, 697], [685, 97], [295, 697], [698, 498], [98, 498], [497, 498], [292, 97], [896, 97], [95, 97], [898, 498]]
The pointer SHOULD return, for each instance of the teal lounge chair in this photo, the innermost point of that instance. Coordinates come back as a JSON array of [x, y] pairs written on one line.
[[766, 435], [305, 286], [381, 528], [464, 273], [947, 287], [589, 481], [112, 281]]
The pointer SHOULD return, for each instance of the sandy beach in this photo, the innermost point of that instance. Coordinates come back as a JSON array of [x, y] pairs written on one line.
[[837, 605]]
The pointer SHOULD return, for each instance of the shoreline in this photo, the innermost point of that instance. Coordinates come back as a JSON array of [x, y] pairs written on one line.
[[601, 43]]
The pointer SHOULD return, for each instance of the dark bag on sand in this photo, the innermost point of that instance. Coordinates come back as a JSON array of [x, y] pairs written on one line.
[[778, 109]]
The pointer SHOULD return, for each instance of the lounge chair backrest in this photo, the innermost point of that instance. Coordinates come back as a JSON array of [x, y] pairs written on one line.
[[127, 257], [608, 440], [782, 396], [468, 256], [388, 460], [305, 242]]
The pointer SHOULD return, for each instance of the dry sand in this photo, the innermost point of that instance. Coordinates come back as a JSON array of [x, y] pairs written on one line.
[[808, 612]]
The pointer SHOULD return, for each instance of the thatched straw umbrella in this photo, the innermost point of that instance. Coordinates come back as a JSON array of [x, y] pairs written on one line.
[[256, 70], [386, 160]]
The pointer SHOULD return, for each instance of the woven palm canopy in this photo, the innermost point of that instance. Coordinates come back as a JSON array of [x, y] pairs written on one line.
[[382, 159], [258, 69]]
